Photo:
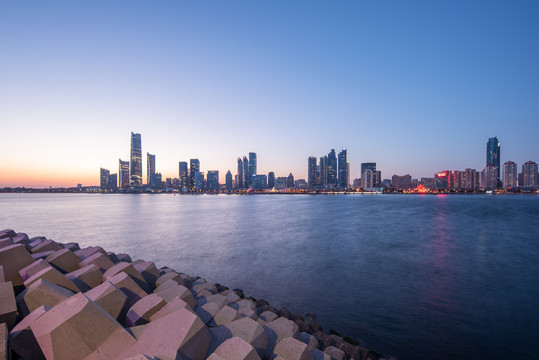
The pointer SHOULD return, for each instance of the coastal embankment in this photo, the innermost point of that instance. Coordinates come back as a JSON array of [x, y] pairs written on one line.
[[58, 301]]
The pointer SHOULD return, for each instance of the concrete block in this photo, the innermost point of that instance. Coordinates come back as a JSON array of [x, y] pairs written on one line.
[[354, 351], [268, 316], [319, 355], [40, 293], [8, 305], [77, 328], [214, 298], [33, 269], [7, 233], [178, 291], [149, 272], [179, 335], [207, 311], [72, 246], [279, 329], [47, 245], [204, 286], [4, 354], [244, 303], [246, 312], [244, 328], [187, 280], [224, 316], [2, 276], [143, 309], [109, 297], [6, 242], [167, 284], [64, 260], [113, 257], [173, 306], [124, 258], [335, 353], [13, 258], [21, 238], [169, 276], [310, 340], [86, 278], [22, 340], [54, 276], [292, 349], [140, 357], [89, 251], [35, 241], [42, 255], [236, 349], [130, 270], [98, 259]]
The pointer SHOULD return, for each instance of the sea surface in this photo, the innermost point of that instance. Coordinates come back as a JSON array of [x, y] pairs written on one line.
[[415, 277]]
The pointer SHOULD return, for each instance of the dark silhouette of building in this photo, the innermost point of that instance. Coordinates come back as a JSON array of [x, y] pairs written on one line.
[[136, 160]]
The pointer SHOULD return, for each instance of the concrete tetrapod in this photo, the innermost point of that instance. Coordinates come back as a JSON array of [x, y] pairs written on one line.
[[8, 305], [22, 340], [245, 328], [41, 293], [13, 258], [292, 349], [108, 297], [234, 349], [64, 260]]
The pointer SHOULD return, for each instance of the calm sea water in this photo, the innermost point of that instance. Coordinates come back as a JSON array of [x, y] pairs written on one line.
[[417, 277]]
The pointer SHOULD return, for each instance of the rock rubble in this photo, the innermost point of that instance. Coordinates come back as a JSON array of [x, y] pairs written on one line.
[[58, 301]]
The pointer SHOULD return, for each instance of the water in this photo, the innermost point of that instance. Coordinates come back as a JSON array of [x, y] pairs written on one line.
[[417, 277]]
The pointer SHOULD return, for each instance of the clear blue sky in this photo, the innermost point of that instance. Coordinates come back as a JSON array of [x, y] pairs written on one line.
[[416, 86]]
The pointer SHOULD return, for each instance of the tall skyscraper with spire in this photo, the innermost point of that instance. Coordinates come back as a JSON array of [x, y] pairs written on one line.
[[136, 161], [493, 157]]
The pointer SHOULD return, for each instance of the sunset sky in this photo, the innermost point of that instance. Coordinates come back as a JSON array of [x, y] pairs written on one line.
[[416, 86]]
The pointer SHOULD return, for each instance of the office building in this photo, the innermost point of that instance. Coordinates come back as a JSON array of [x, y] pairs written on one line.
[[367, 178], [271, 180], [198, 182], [228, 181], [136, 161], [331, 169], [470, 181], [300, 184], [123, 171], [401, 182], [510, 176], [260, 182], [246, 179], [529, 174], [311, 172], [441, 181], [323, 171], [252, 166], [183, 175], [239, 176], [489, 177], [213, 180], [150, 169], [104, 179], [194, 167], [376, 175], [428, 183], [493, 158], [157, 181], [344, 166], [113, 182], [281, 183], [290, 182]]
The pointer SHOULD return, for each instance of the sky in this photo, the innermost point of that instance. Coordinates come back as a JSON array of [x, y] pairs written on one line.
[[415, 86]]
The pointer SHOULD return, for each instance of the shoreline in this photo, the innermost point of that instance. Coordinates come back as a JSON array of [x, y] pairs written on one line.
[[53, 287]]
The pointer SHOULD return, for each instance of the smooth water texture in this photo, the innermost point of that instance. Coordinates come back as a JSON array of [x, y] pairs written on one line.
[[416, 277]]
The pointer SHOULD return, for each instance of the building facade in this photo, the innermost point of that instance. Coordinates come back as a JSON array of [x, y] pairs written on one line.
[[136, 161], [228, 181], [104, 179], [183, 174], [529, 174], [123, 171], [252, 166], [213, 180], [194, 168], [150, 169], [343, 178], [493, 158], [245, 173], [239, 176], [311, 172], [271, 180], [510, 174]]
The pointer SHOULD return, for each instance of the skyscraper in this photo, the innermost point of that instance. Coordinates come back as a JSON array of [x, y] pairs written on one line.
[[213, 180], [343, 170], [123, 171], [493, 158], [311, 172], [150, 169], [252, 166], [331, 168], [529, 174], [194, 167], [367, 177], [290, 181], [113, 182], [246, 179], [239, 183], [228, 181], [104, 179], [271, 180], [510, 176], [375, 174], [136, 161], [183, 175], [323, 169], [489, 177]]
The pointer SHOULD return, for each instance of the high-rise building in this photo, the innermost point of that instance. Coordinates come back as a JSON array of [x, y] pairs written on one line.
[[104, 179], [290, 181], [252, 166], [344, 178], [510, 176], [136, 161], [213, 180], [331, 168], [493, 158], [246, 179], [198, 182], [157, 181], [323, 169], [124, 174], [401, 182], [271, 180], [194, 167], [311, 172], [183, 175], [228, 181], [529, 174], [470, 180], [113, 182], [489, 177], [239, 182], [150, 169], [375, 174], [441, 181], [367, 178]]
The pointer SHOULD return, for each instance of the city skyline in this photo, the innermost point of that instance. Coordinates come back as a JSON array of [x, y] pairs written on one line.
[[396, 84]]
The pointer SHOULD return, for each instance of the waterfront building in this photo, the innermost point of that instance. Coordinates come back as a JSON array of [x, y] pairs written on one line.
[[157, 180], [271, 180], [245, 173], [239, 176], [311, 172], [343, 178], [290, 182], [252, 166], [136, 161], [150, 169], [372, 166], [228, 181], [198, 182], [194, 167], [281, 183], [113, 182], [123, 171], [493, 158], [441, 180], [184, 175], [367, 178], [300, 184], [470, 181], [104, 179], [356, 183], [213, 180], [510, 176], [386, 183], [331, 167], [260, 182], [529, 174], [489, 177], [323, 171], [428, 183], [401, 182]]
